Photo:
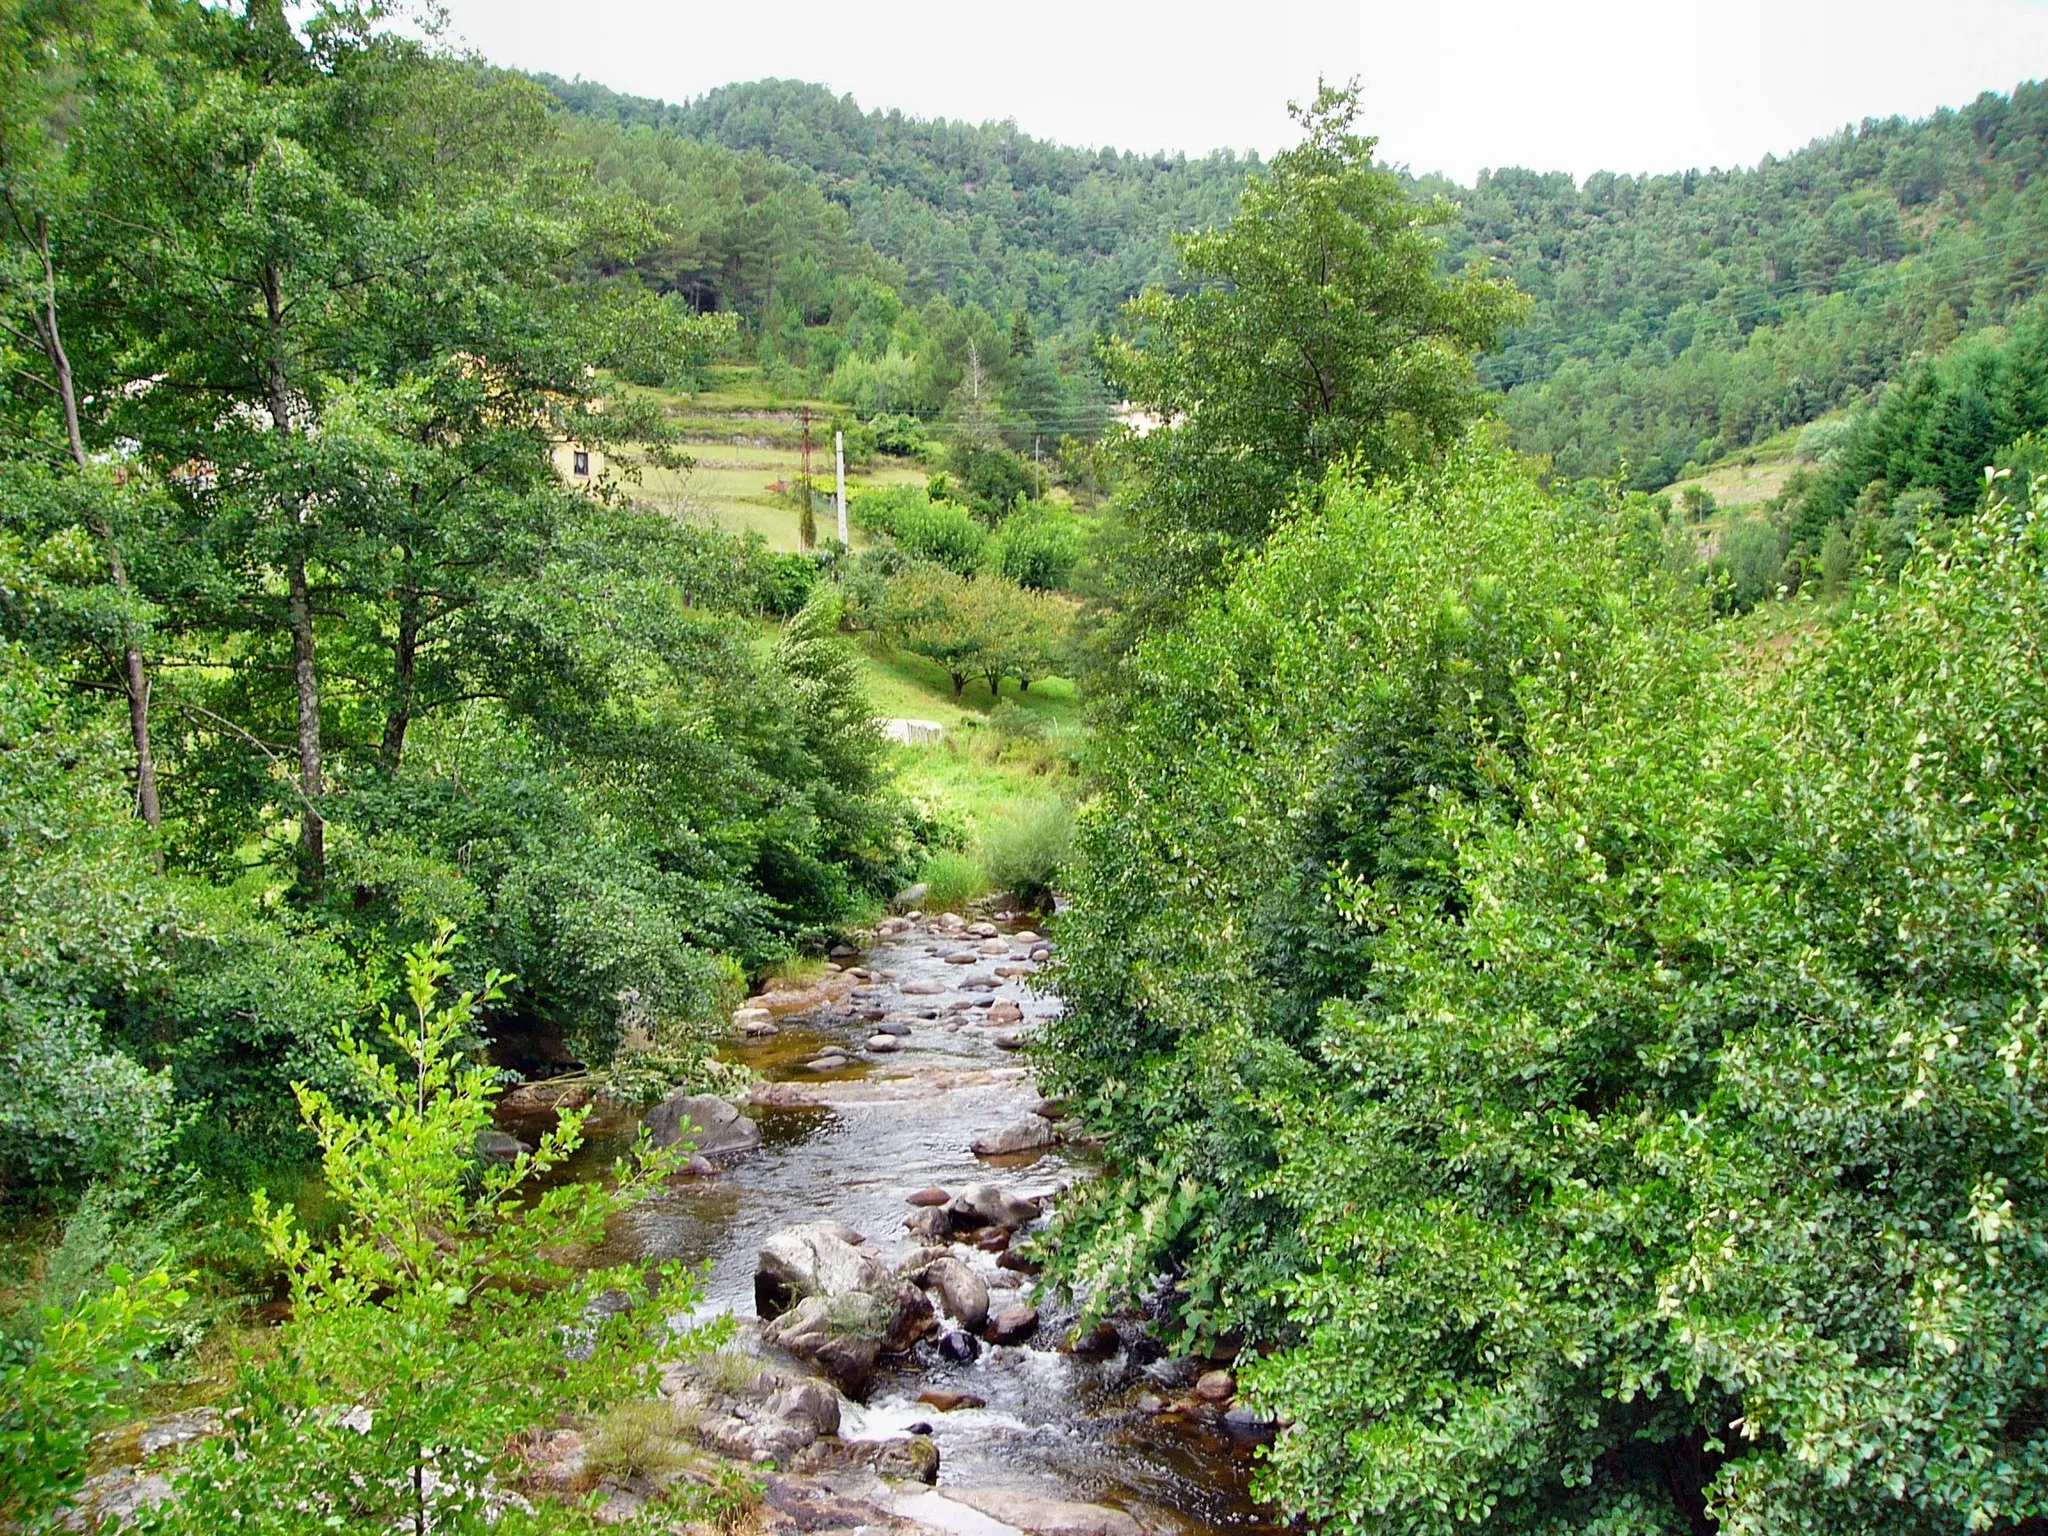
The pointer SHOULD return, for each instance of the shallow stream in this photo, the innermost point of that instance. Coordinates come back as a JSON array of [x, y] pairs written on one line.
[[849, 1144]]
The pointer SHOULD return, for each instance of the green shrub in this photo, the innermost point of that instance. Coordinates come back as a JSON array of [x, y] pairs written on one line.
[[952, 879], [940, 532], [1601, 1081], [79, 1362], [1027, 853], [903, 436], [1037, 546], [1749, 564]]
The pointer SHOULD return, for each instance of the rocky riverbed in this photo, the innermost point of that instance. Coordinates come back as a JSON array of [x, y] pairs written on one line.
[[876, 1238], [866, 1216]]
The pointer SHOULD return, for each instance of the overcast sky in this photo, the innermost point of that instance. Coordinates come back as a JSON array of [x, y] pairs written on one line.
[[1450, 85]]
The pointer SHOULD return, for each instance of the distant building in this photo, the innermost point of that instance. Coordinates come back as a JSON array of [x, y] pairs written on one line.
[[577, 463]]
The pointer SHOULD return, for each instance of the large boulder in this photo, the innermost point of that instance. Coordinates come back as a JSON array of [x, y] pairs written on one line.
[[813, 1259], [713, 1126], [961, 1292], [839, 1338], [749, 1408], [833, 1305]]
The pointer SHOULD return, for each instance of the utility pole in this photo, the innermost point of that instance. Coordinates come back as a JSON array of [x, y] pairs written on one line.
[[839, 470], [1037, 473], [806, 517]]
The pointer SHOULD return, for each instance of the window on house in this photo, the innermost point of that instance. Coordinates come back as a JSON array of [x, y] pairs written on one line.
[[582, 462]]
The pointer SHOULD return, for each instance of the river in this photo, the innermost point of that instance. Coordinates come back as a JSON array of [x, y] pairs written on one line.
[[851, 1143]]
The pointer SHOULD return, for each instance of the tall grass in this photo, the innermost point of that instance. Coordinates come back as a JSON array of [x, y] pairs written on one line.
[[1027, 853]]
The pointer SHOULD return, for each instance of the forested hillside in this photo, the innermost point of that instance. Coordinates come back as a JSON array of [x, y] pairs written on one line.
[[1675, 317]]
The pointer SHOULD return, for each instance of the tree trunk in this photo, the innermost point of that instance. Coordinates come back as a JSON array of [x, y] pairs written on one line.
[[404, 661], [135, 673], [959, 683], [312, 827], [305, 677]]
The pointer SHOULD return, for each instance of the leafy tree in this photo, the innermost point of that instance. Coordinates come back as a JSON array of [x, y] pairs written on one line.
[[1036, 547], [1318, 329], [63, 1380], [1595, 1076], [44, 53], [925, 527], [1750, 561], [1835, 562], [929, 612], [443, 1318]]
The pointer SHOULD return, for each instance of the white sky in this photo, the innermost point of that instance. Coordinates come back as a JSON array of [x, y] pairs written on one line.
[[1578, 85]]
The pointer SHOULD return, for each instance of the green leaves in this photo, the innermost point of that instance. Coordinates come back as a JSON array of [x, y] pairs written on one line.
[[1609, 1069], [448, 1314], [58, 1386], [1319, 331]]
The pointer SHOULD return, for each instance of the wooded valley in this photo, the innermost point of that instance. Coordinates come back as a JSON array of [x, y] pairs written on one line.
[[1499, 735]]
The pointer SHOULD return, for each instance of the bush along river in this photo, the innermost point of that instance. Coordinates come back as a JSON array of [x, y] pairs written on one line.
[[893, 1364]]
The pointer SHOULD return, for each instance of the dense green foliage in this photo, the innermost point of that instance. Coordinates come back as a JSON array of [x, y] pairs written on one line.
[[1320, 332], [444, 1318], [984, 215], [1680, 316], [299, 322], [1675, 317], [1609, 1073]]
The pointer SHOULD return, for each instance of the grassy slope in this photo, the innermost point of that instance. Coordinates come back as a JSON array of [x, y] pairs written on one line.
[[746, 438], [970, 780]]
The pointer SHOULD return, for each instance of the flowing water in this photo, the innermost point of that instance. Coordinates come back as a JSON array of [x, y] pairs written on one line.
[[850, 1144]]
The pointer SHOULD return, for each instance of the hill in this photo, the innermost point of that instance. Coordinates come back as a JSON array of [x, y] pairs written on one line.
[[1676, 317]]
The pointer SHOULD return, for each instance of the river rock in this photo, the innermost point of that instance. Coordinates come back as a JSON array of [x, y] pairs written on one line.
[[1054, 1110], [842, 952], [813, 1259], [839, 1337], [747, 1407], [1005, 1013], [982, 930], [932, 1224], [894, 1027], [1007, 1040], [1241, 1420], [960, 1291], [1041, 954], [1041, 1516], [1014, 1324], [950, 1402], [1026, 1135], [1215, 1386], [1096, 1343], [911, 896], [713, 1126], [1024, 937], [883, 1045], [500, 1146], [994, 947], [959, 1346], [923, 989], [1017, 1264], [931, 1196], [962, 957], [985, 1205]]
